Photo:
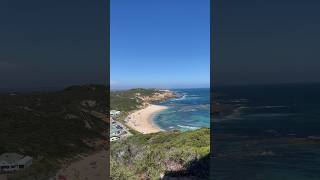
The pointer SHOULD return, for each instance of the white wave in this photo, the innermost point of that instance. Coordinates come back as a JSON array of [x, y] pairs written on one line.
[[195, 97], [178, 99], [188, 127]]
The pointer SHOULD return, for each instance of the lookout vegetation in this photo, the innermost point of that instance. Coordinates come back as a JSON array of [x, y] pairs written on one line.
[[158, 155], [163, 154]]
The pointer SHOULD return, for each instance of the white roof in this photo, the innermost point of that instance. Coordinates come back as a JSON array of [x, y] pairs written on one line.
[[13, 158], [10, 158], [25, 160], [4, 163]]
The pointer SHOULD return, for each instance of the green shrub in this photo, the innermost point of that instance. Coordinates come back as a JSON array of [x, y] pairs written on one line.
[[149, 155]]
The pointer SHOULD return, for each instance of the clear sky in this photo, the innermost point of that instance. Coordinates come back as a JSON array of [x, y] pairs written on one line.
[[160, 43], [266, 41], [52, 43]]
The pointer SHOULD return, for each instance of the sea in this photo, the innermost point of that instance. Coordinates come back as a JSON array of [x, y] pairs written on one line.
[[272, 133], [189, 111]]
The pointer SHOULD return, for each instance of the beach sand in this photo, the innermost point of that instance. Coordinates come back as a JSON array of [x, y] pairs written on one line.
[[141, 120]]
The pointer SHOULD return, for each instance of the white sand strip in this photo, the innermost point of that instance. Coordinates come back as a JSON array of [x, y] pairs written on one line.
[[141, 120]]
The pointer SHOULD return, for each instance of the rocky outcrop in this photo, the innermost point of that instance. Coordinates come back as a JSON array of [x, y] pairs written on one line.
[[158, 96]]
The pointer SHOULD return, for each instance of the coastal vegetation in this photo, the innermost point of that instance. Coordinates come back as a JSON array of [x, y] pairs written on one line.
[[131, 100], [156, 155], [151, 156], [53, 127], [128, 100]]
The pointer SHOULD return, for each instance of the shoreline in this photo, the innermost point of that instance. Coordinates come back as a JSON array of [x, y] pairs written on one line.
[[142, 120]]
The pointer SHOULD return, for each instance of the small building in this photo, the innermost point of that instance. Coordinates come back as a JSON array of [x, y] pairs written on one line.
[[114, 113], [13, 162]]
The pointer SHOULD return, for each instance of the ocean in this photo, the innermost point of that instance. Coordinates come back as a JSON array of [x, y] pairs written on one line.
[[191, 110], [273, 133]]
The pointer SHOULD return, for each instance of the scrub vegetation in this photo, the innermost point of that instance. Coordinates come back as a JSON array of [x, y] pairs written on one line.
[[53, 127], [152, 156]]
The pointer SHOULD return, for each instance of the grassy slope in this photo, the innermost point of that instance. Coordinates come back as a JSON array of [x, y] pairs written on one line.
[[148, 156], [35, 125]]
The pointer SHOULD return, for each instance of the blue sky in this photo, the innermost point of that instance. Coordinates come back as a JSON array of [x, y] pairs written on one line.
[[52, 44], [160, 43]]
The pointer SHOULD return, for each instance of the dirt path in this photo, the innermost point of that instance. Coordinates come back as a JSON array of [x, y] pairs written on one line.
[[94, 166], [3, 177]]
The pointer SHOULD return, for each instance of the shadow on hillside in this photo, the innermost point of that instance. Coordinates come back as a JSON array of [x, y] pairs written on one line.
[[197, 170]]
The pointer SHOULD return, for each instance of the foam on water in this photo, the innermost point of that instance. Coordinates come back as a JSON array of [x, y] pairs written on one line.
[[273, 134], [188, 112], [188, 127]]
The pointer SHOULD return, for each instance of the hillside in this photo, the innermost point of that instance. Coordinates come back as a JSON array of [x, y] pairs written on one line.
[[53, 127], [164, 154], [157, 155], [134, 99], [131, 100]]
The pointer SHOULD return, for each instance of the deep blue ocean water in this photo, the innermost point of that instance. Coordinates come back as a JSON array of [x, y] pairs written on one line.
[[272, 134], [191, 110]]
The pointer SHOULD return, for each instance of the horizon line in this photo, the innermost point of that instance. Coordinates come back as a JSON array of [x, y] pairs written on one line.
[[200, 87]]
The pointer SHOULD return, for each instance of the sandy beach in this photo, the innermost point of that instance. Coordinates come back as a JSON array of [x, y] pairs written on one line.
[[141, 120]]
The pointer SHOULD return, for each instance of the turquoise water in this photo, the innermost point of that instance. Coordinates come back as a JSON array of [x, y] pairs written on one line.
[[191, 110], [273, 133]]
